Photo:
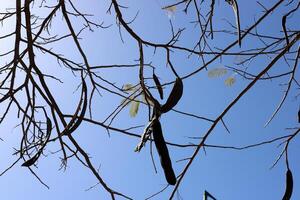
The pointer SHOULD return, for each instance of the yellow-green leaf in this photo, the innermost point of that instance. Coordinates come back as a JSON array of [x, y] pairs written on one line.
[[230, 81], [128, 87], [170, 10], [134, 108], [217, 72]]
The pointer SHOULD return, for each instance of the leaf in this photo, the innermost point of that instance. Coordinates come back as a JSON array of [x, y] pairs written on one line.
[[128, 87], [230, 81], [289, 185], [217, 72], [170, 10], [174, 96], [134, 108]]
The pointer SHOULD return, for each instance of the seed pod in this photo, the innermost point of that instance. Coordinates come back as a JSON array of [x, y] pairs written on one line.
[[84, 108], [283, 24], [163, 152], [235, 8], [299, 116], [289, 185], [207, 194], [73, 124], [31, 161], [158, 86], [174, 97]]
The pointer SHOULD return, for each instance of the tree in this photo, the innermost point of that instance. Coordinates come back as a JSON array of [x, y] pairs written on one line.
[[168, 69]]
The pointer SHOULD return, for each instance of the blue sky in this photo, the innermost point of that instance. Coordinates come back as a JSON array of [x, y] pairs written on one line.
[[227, 174]]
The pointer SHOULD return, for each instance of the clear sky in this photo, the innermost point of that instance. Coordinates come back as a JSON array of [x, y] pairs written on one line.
[[225, 173]]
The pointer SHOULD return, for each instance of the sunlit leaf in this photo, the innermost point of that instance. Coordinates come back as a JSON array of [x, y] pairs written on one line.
[[170, 10], [230, 81], [134, 108], [217, 72], [128, 87]]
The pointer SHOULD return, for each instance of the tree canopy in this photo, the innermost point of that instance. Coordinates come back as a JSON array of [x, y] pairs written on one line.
[[153, 99]]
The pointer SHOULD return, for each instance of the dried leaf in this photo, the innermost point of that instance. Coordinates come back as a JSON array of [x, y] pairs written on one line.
[[230, 81], [217, 72]]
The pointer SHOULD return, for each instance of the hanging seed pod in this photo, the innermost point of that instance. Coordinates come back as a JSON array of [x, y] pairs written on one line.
[[235, 8], [207, 195], [31, 161], [163, 152], [73, 124], [83, 110], [158, 86], [299, 116], [289, 185], [174, 97], [283, 24]]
